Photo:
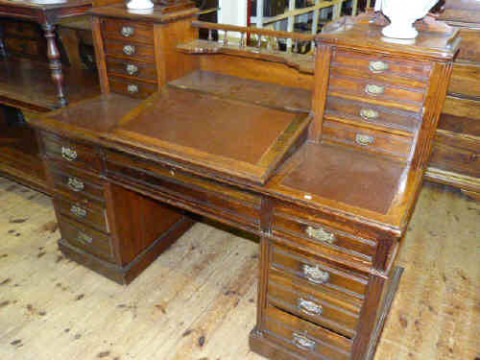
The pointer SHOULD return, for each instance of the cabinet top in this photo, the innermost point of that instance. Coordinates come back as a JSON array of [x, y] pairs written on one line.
[[159, 14], [436, 40]]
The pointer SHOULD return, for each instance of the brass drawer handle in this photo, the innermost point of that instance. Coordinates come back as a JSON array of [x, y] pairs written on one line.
[[78, 211], [364, 140], [132, 89], [127, 31], [374, 90], [378, 67], [309, 307], [69, 154], [84, 238], [75, 184], [131, 69], [303, 342], [129, 50], [369, 114], [315, 275], [320, 234]]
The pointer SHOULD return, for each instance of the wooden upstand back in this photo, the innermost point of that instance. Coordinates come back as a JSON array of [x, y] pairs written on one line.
[[231, 132]]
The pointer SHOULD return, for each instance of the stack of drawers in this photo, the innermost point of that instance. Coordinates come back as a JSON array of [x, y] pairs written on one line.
[[24, 38], [130, 57], [78, 196], [375, 103]]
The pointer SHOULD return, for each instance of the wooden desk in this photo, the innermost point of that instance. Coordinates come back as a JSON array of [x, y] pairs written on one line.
[[329, 191]]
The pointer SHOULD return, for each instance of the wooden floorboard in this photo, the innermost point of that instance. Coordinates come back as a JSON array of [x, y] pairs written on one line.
[[197, 301]]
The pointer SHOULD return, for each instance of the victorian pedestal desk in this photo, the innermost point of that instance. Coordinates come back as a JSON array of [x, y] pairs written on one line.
[[231, 135]]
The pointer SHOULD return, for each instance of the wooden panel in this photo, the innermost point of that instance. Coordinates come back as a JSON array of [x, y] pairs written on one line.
[[309, 340], [127, 31], [469, 50], [368, 114], [23, 46], [132, 88], [71, 152], [88, 212], [365, 139], [86, 238], [315, 271], [75, 183], [465, 78], [314, 306]]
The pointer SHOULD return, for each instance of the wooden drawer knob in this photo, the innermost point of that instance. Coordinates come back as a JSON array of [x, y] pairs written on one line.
[[132, 89], [69, 153], [309, 307], [303, 342], [131, 69], [127, 31], [320, 234], [75, 184], [364, 140], [378, 67], [78, 211], [129, 50], [369, 114], [374, 90], [315, 275]]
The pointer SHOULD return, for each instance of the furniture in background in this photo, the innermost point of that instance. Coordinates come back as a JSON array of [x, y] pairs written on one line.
[[456, 154], [231, 135], [36, 72]]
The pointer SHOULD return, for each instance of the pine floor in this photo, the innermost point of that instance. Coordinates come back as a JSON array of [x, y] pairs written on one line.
[[197, 301]]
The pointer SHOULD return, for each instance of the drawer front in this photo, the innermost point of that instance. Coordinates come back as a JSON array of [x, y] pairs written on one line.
[[86, 238], [71, 152], [377, 93], [24, 46], [368, 140], [311, 341], [21, 28], [465, 79], [382, 66], [130, 51], [318, 233], [313, 306], [132, 69], [220, 200], [127, 31], [75, 183], [470, 48], [86, 212], [318, 272], [381, 116], [132, 88]]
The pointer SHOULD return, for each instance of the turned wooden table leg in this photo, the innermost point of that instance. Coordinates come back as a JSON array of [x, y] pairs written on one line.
[[55, 64]]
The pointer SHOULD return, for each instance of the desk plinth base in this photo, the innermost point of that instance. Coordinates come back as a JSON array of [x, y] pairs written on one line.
[[125, 274]]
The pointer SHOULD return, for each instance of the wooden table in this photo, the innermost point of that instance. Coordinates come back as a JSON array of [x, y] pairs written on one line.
[[48, 16]]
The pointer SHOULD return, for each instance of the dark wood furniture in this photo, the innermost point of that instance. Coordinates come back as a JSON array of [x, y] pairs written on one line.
[[230, 135], [456, 155]]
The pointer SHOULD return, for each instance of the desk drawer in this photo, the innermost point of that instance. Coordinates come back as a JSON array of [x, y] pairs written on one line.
[[132, 88], [309, 340], [285, 225], [127, 31], [221, 201], [318, 272], [132, 69], [75, 183], [369, 140], [23, 46], [64, 150], [368, 114], [312, 305], [376, 92], [87, 212], [382, 66], [129, 50], [86, 238]]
